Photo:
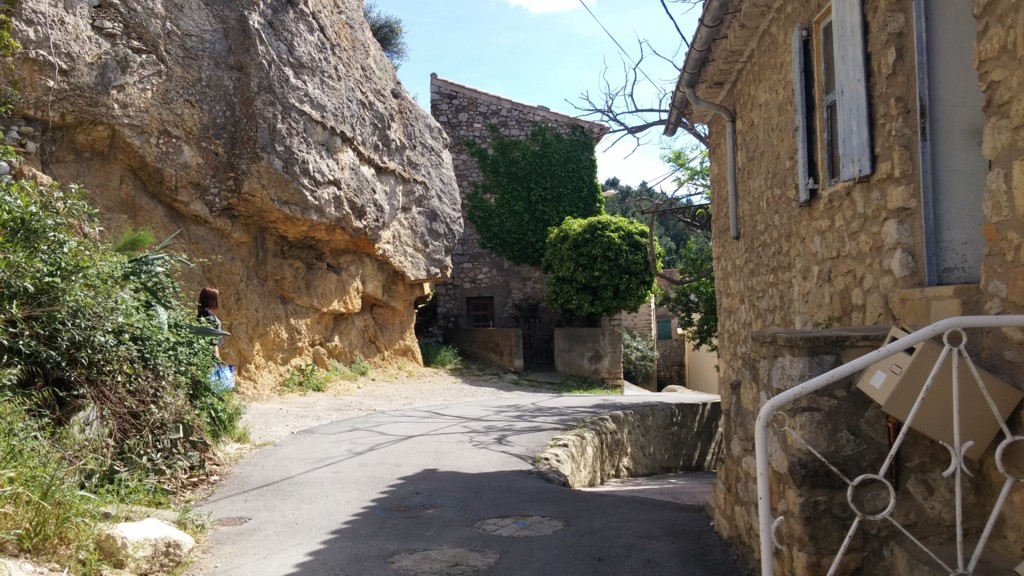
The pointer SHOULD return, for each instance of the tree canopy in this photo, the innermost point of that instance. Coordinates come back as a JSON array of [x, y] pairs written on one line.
[[387, 29], [597, 266]]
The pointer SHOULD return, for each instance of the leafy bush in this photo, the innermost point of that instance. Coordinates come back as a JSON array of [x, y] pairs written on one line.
[[360, 367], [598, 266], [310, 378], [695, 303], [639, 357], [87, 329], [306, 378], [436, 355], [388, 31]]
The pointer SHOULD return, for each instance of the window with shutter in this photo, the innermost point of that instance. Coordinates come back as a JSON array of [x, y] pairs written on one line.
[[851, 88], [840, 92], [806, 139]]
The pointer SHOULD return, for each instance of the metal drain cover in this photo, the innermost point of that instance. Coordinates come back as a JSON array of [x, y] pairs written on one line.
[[520, 526], [443, 562]]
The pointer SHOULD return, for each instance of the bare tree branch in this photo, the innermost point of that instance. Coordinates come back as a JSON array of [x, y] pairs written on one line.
[[625, 106]]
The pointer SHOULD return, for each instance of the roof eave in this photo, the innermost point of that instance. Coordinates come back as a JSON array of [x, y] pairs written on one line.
[[711, 18]]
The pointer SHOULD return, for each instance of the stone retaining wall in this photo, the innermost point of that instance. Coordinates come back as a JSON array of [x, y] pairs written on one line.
[[498, 346], [644, 440]]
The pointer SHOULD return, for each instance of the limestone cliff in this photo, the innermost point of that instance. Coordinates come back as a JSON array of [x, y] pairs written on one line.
[[276, 135]]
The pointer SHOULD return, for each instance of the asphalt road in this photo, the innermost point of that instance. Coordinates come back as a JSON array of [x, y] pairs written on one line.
[[445, 490]]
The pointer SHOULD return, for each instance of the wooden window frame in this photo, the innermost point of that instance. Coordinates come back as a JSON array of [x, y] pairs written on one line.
[[843, 123], [826, 117], [472, 313]]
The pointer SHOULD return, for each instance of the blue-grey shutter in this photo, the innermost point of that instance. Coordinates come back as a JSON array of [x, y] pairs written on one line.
[[851, 89], [665, 329], [800, 103]]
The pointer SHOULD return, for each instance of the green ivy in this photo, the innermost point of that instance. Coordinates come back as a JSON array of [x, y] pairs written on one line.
[[530, 185], [8, 45], [694, 303], [598, 266]]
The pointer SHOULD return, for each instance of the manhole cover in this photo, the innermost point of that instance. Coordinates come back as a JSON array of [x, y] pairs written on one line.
[[520, 526], [232, 521], [443, 562]]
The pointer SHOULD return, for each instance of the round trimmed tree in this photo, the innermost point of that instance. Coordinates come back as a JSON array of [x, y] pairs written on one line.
[[598, 266]]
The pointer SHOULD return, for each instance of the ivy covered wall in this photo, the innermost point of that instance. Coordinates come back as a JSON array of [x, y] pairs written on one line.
[[480, 124]]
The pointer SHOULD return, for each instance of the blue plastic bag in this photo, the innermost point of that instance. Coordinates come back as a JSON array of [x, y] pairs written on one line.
[[222, 379]]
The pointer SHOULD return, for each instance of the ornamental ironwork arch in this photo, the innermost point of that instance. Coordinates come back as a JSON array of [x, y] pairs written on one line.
[[696, 216]]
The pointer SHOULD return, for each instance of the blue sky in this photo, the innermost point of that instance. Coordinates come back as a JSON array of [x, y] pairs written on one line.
[[543, 52]]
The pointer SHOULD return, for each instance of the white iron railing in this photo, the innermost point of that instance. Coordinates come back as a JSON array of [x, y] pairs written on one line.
[[964, 566]]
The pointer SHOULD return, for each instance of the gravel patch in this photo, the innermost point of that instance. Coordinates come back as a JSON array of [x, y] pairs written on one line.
[[272, 418]]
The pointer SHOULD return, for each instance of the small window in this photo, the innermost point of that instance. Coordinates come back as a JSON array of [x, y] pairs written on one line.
[[840, 95], [665, 329], [480, 311], [806, 112], [829, 102]]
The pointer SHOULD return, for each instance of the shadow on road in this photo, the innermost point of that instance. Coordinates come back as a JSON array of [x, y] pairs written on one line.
[[434, 509]]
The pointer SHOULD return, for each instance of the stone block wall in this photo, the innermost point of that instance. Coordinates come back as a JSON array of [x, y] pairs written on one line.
[[672, 360], [640, 441], [853, 257], [501, 347], [589, 352], [831, 262], [999, 56], [466, 114], [641, 321]]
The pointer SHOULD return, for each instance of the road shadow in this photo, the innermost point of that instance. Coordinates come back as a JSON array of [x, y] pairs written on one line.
[[434, 510]]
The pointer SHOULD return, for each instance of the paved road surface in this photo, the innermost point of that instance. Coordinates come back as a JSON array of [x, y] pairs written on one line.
[[445, 490]]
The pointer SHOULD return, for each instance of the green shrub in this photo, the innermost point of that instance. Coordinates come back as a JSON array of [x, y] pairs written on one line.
[[360, 367], [307, 378], [597, 267], [436, 355], [639, 357], [85, 327]]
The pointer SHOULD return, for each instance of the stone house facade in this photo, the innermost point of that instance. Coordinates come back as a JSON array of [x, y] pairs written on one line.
[[879, 178], [487, 290]]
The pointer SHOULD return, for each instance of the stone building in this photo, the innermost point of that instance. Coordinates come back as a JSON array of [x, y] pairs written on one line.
[[487, 290], [879, 180]]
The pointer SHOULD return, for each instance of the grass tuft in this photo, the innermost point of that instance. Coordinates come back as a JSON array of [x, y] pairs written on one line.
[[437, 355]]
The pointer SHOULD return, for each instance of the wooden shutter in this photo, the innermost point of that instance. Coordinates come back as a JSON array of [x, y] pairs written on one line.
[[800, 103], [851, 89]]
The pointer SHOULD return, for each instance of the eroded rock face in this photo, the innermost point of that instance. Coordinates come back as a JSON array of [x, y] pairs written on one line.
[[276, 135]]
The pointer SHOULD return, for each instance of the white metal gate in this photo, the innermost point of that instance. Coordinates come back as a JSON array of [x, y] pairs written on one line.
[[965, 564]]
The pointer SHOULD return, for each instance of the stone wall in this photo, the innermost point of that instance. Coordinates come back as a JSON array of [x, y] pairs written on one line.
[[999, 54], [672, 360], [589, 352], [466, 114], [498, 346], [641, 441], [641, 321], [831, 262], [853, 256]]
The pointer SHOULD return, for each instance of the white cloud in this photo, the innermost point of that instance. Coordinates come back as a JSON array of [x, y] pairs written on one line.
[[546, 6]]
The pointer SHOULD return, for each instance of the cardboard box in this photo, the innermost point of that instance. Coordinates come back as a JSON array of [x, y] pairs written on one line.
[[896, 382]]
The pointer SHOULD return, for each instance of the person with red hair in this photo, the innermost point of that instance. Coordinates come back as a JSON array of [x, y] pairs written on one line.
[[208, 302]]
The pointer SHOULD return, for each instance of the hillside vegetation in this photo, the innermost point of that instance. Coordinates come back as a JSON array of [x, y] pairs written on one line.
[[105, 394]]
